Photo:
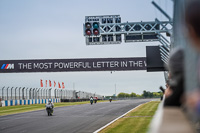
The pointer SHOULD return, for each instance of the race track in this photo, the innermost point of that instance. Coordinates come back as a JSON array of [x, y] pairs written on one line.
[[84, 118]]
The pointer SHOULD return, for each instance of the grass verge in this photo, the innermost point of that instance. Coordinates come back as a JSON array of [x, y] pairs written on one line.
[[137, 121], [26, 108]]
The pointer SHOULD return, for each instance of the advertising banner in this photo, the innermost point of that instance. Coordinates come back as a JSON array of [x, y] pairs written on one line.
[[70, 65]]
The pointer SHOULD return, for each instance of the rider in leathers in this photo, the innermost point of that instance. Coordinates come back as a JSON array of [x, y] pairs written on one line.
[[51, 105]]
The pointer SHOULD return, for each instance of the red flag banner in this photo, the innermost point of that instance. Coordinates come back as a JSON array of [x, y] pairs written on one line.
[[46, 84], [49, 83], [54, 84], [59, 85], [63, 86], [41, 83]]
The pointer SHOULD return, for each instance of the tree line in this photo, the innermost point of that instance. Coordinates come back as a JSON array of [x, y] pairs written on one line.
[[146, 94]]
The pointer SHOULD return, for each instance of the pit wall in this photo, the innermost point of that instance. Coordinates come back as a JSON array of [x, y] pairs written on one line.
[[28, 102]]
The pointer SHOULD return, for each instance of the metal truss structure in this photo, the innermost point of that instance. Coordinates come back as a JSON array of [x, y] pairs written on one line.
[[111, 33], [135, 27], [108, 29]]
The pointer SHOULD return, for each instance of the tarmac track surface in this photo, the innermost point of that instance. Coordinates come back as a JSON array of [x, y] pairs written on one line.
[[84, 118]]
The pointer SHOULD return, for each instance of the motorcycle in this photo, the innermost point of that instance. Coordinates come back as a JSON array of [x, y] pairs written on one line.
[[49, 110], [95, 100], [91, 101], [110, 100]]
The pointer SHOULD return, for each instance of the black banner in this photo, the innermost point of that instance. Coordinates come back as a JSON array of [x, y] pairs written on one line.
[[69, 65]]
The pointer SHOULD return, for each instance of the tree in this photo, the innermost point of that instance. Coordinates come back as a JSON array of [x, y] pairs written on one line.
[[150, 94], [145, 94], [127, 95], [133, 94], [138, 95], [121, 95], [156, 94]]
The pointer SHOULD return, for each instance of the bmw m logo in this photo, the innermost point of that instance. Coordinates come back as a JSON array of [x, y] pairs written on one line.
[[8, 66]]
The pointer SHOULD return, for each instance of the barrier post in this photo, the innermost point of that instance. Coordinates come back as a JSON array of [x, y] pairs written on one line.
[[3, 93], [7, 93], [15, 93]]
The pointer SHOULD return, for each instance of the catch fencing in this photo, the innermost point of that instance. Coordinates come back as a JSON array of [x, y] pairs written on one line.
[[10, 96]]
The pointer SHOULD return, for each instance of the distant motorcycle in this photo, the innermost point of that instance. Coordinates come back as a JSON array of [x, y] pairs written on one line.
[[49, 108], [95, 100], [110, 100], [91, 101]]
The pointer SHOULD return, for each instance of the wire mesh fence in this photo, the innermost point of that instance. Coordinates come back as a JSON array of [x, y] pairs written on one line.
[[18, 93]]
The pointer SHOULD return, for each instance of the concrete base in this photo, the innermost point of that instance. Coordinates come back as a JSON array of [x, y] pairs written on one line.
[[28, 102], [170, 120]]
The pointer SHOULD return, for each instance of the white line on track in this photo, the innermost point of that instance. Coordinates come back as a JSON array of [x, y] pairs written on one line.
[[116, 119]]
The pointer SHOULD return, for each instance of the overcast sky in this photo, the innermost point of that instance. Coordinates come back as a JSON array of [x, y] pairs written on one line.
[[53, 29]]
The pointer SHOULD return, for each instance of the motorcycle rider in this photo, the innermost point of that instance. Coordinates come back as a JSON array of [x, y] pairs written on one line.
[[95, 99], [51, 106], [110, 99], [91, 100]]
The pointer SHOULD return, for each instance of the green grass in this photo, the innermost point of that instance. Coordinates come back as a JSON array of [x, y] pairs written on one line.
[[136, 121], [26, 108]]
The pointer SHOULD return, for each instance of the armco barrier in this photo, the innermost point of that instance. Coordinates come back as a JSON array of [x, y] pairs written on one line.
[[11, 102], [6, 103], [27, 102], [16, 101]]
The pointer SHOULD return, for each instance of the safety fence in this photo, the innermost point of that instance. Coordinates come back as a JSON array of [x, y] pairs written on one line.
[[11, 96]]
